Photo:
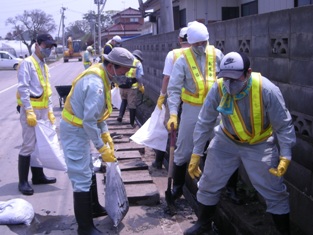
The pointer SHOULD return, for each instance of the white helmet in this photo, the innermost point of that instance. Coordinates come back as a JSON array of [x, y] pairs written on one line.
[[89, 48], [117, 38]]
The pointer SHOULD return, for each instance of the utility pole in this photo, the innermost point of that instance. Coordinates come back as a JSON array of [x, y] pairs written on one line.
[[166, 16], [98, 2], [62, 20]]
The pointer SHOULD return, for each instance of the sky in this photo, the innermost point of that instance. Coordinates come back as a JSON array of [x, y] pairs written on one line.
[[74, 10]]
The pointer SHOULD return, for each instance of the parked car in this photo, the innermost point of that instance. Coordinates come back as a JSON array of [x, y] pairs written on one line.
[[8, 61]]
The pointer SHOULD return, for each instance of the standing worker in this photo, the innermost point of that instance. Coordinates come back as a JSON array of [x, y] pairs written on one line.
[[170, 59], [114, 42], [254, 117], [34, 98], [129, 90], [87, 58], [87, 107], [192, 77]]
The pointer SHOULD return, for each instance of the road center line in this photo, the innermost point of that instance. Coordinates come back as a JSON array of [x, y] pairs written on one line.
[[8, 88]]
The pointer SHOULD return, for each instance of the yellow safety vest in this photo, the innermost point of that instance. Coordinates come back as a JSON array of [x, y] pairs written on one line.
[[67, 113], [43, 101], [258, 134], [177, 53], [203, 85], [132, 73]]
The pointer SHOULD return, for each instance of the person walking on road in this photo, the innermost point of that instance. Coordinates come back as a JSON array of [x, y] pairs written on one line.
[[192, 77], [129, 90], [87, 58], [34, 99], [87, 107], [170, 59], [254, 118]]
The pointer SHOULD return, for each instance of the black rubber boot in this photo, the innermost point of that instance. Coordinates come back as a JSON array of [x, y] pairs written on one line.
[[122, 110], [231, 189], [204, 222], [282, 223], [83, 214], [158, 159], [23, 170], [40, 178], [97, 209], [132, 115], [178, 180]]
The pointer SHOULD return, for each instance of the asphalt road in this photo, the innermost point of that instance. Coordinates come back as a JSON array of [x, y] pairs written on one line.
[[53, 204]]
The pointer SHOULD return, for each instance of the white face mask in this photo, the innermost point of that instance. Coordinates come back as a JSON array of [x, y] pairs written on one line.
[[118, 79], [234, 87], [45, 52]]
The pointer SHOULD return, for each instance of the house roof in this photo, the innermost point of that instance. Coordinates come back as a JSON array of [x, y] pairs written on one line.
[[124, 27], [127, 12]]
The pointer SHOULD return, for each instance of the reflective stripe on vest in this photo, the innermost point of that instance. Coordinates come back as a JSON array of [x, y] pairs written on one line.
[[132, 73], [43, 101], [67, 113], [203, 85], [256, 115]]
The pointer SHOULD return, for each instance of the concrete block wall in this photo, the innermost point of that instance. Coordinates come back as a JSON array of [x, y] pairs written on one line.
[[280, 46]]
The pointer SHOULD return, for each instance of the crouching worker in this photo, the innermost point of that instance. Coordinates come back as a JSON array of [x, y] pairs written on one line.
[[87, 107], [253, 114]]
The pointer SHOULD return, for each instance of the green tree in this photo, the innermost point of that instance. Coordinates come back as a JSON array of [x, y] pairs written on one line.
[[27, 26]]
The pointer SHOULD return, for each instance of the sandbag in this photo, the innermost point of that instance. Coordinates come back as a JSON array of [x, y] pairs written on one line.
[[153, 133], [48, 152], [116, 201], [116, 97], [16, 211]]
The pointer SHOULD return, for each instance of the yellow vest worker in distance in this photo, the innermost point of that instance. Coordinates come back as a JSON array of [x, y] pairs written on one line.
[[87, 107], [254, 118], [34, 98], [87, 57], [193, 75], [130, 89]]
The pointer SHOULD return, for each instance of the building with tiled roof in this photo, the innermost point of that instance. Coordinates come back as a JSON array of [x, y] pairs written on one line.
[[127, 24]]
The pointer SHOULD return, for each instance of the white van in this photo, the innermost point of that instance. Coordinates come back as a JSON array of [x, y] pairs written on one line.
[[8, 61]]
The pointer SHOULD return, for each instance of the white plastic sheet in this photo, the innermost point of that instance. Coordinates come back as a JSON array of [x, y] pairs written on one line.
[[116, 201], [153, 133], [48, 153], [16, 211], [116, 97]]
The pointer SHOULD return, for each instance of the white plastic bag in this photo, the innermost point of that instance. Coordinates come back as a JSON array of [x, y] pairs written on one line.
[[116, 97], [16, 211], [48, 153], [153, 133], [116, 201]]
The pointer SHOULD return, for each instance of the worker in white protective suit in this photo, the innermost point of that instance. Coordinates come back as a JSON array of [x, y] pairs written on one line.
[[192, 77], [254, 118], [87, 107]]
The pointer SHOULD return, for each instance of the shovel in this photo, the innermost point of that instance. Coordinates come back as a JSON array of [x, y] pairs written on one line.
[[168, 193]]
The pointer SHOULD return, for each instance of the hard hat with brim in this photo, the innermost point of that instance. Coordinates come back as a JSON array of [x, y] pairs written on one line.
[[120, 56], [233, 65]]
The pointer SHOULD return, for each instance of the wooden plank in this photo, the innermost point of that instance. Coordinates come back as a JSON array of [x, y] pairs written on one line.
[[129, 146], [142, 194], [125, 155], [136, 177], [132, 164]]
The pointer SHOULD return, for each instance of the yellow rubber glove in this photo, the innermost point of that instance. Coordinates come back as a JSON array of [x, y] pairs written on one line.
[[141, 88], [281, 168], [173, 119], [51, 117], [160, 101], [31, 117], [107, 154], [106, 137], [193, 168]]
